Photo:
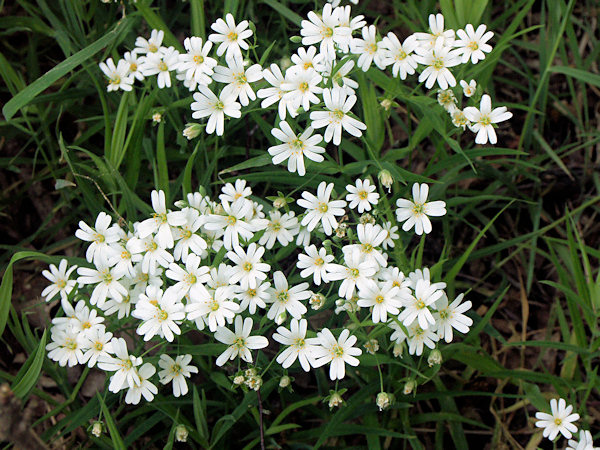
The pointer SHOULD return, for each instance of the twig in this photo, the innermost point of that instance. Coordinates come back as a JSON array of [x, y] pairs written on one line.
[[260, 421]]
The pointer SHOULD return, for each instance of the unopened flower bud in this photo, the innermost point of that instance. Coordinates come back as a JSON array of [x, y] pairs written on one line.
[[386, 179], [251, 372], [316, 301], [239, 380], [371, 346], [280, 318], [335, 400], [284, 381], [409, 387], [181, 433], [383, 401], [398, 349], [340, 231], [254, 382], [279, 202], [367, 218], [192, 130], [156, 117], [386, 104], [435, 358], [97, 428], [284, 63]]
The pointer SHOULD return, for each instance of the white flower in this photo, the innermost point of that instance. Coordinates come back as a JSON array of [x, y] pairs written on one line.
[[287, 299], [586, 442], [231, 36], [315, 263], [101, 236], [240, 342], [196, 63], [106, 280], [215, 308], [415, 213], [339, 78], [383, 298], [447, 99], [162, 318], [252, 298], [321, 209], [275, 93], [483, 119], [280, 227], [189, 279], [118, 76], [153, 254], [151, 45], [391, 235], [176, 371], [560, 421], [300, 347], [231, 193], [123, 364], [307, 58], [86, 320], [460, 120], [232, 222], [398, 336], [248, 269], [122, 259], [238, 79], [301, 87], [207, 104], [60, 280], [436, 25], [338, 104], [468, 88], [451, 316], [416, 308], [325, 30], [337, 352], [161, 63], [354, 23], [98, 344], [418, 337], [66, 346], [355, 272], [362, 195], [437, 59], [294, 148], [370, 236], [473, 43], [187, 238], [369, 49], [144, 388], [400, 55], [161, 222], [135, 63]]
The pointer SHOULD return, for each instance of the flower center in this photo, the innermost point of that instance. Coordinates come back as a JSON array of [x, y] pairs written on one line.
[[275, 225], [98, 346], [485, 120], [231, 220], [327, 32], [473, 45], [363, 195], [367, 248], [283, 296], [214, 306], [420, 304], [354, 273], [417, 209], [247, 266], [191, 278], [251, 292], [372, 48], [126, 364], [337, 351], [176, 369], [308, 65], [319, 261], [240, 78], [86, 325], [198, 59], [444, 314], [160, 218], [186, 234], [239, 342], [558, 421], [133, 67], [401, 55], [162, 66], [152, 48], [125, 254], [379, 299], [71, 344], [107, 277], [303, 87], [232, 36], [438, 63], [297, 144], [299, 343], [99, 238], [322, 207], [61, 284], [219, 105], [162, 315], [338, 114]]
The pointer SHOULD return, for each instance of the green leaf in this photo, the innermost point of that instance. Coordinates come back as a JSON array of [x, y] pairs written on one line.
[[7, 284], [581, 75], [156, 22], [27, 377], [161, 160], [110, 423], [45, 81], [284, 11]]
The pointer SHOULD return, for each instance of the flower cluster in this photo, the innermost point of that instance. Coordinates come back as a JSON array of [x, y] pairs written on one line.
[[212, 266], [317, 91]]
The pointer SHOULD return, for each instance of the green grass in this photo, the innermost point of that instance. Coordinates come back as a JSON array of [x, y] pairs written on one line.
[[520, 238]]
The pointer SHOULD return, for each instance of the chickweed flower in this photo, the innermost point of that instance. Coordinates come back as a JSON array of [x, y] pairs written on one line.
[[416, 213], [176, 371], [336, 352], [118, 76], [319, 208], [559, 421], [295, 148], [60, 280], [240, 342], [232, 37], [482, 119], [207, 104]]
